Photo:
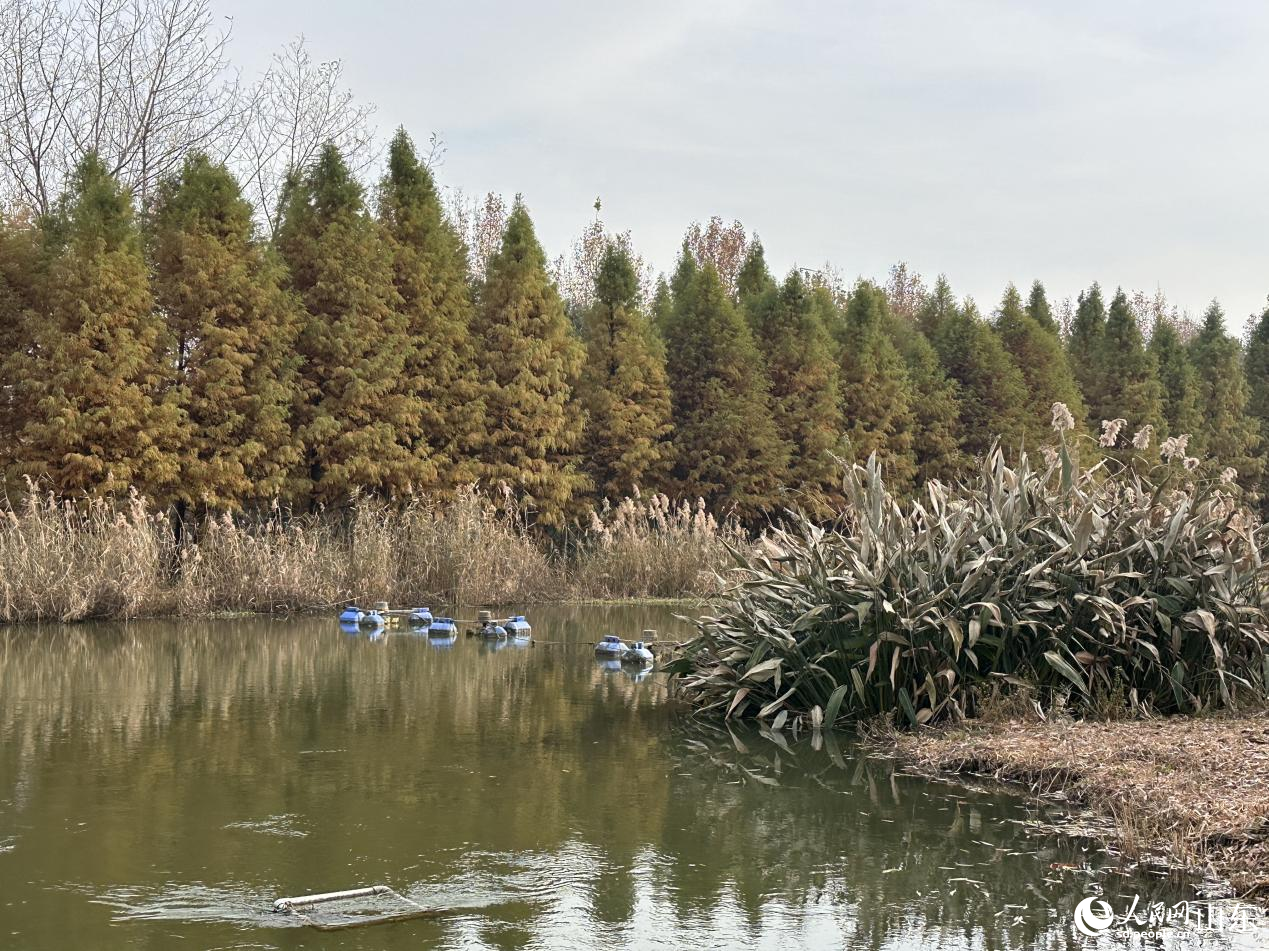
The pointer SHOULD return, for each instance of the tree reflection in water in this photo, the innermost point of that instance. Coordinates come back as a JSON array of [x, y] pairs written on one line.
[[191, 772]]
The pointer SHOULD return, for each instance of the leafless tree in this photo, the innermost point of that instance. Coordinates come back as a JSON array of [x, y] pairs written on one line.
[[480, 223], [297, 107], [143, 83], [905, 289], [1149, 308], [140, 82], [575, 271], [723, 245]]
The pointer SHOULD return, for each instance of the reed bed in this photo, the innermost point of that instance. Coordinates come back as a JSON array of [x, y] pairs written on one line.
[[654, 547], [68, 561]]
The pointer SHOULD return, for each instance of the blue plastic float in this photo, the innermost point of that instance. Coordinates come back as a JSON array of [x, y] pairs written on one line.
[[610, 646]]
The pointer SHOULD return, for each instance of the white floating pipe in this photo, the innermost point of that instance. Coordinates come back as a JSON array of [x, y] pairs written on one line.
[[306, 901]]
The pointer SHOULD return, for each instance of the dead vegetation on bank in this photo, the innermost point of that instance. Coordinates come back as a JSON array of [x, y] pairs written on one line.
[[1191, 788], [68, 562]]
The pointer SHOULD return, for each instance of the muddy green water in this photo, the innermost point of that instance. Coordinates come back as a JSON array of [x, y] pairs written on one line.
[[162, 783]]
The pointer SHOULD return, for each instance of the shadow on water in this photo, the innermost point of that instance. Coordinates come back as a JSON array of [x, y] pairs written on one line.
[[163, 782]]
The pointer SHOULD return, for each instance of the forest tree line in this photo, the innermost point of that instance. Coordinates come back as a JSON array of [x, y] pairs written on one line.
[[365, 345]]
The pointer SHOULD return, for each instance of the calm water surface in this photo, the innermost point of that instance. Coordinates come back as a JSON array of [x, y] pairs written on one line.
[[162, 783]]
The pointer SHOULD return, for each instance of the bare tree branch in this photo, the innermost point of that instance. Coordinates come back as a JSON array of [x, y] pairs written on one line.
[[297, 107]]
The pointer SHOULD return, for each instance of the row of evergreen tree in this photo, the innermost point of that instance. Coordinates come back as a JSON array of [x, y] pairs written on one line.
[[178, 353]]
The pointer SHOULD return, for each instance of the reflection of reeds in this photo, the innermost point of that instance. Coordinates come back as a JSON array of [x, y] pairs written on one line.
[[113, 559]]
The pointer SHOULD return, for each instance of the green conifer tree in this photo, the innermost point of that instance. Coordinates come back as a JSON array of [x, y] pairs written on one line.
[[19, 266], [754, 280], [877, 399], [990, 387], [1178, 379], [89, 384], [1256, 371], [682, 286], [358, 416], [1128, 378], [429, 271], [805, 392], [531, 361], [1038, 354], [726, 448], [662, 308], [937, 308], [1084, 348], [1038, 309], [1228, 434], [231, 329], [935, 406], [623, 387]]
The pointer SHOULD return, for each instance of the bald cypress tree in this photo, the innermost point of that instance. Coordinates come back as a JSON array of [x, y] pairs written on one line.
[[662, 308], [935, 405], [1038, 354], [1085, 351], [754, 279], [726, 448], [1256, 370], [1128, 382], [231, 329], [877, 399], [623, 387], [681, 287], [531, 362], [95, 420], [937, 308], [19, 266], [1178, 380], [805, 398], [1038, 309], [990, 388], [358, 415], [429, 272], [1228, 434]]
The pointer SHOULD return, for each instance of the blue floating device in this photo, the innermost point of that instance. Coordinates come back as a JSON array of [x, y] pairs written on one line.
[[518, 627]]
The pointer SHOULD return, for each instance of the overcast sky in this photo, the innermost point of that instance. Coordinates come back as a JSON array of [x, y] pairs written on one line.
[[1123, 142]]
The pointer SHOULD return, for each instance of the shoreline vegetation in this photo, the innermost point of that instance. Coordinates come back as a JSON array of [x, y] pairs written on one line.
[[1097, 634], [1188, 791], [61, 561]]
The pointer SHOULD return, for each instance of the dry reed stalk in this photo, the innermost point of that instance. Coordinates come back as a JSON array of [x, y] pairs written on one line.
[[1191, 788], [112, 559]]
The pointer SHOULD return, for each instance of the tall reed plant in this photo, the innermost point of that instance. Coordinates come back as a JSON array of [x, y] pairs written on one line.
[[1135, 581]]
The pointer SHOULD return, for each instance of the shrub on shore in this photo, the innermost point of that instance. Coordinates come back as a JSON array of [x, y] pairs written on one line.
[[1143, 583], [101, 559]]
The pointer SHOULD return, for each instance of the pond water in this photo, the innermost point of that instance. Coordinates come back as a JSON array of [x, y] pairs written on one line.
[[161, 783]]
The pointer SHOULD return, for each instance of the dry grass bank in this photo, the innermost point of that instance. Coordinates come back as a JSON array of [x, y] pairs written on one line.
[[64, 561], [1193, 788]]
